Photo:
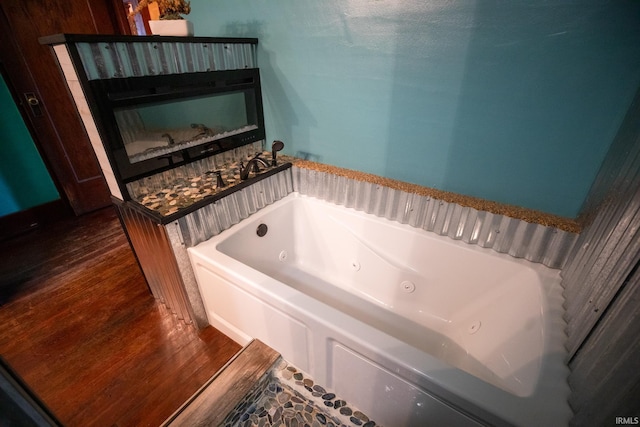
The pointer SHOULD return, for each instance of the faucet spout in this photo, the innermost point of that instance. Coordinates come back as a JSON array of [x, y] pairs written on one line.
[[253, 165]]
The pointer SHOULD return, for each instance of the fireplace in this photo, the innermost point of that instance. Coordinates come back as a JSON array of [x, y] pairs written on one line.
[[154, 123], [157, 108]]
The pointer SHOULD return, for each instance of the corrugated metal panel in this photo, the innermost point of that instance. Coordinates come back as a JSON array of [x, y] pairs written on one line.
[[210, 220], [106, 60], [156, 258], [609, 246], [534, 242], [188, 278], [594, 276], [606, 377]]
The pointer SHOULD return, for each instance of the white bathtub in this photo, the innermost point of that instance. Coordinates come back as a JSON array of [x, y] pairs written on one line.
[[409, 326]]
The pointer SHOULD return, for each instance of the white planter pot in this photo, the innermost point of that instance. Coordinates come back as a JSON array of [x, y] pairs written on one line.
[[171, 27]]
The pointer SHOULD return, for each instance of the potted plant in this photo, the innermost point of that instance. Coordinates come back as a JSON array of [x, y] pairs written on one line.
[[166, 16]]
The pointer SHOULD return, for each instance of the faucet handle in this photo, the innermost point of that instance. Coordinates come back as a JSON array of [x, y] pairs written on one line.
[[219, 181]]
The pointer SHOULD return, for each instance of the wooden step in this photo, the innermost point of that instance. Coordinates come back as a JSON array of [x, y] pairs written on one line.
[[222, 392]]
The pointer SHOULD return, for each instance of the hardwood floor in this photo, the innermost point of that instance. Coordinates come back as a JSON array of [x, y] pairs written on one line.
[[80, 326]]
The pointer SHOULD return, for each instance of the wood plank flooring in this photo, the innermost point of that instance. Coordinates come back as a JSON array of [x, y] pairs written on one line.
[[79, 325]]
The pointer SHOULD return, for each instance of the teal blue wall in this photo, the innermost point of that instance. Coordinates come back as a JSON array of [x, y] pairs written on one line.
[[24, 180], [512, 101]]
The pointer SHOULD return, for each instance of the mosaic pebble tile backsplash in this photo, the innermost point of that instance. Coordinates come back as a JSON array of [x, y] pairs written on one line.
[[288, 397], [184, 192], [169, 192]]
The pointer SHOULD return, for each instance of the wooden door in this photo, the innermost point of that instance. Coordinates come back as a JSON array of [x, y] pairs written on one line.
[[45, 102]]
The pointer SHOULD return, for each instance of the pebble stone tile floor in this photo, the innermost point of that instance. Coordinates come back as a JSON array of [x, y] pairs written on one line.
[[288, 397]]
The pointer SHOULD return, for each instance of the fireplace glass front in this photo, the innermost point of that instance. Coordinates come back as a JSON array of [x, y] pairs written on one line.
[[158, 129], [152, 124]]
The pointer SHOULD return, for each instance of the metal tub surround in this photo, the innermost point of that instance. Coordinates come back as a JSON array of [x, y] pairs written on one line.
[[534, 242]]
